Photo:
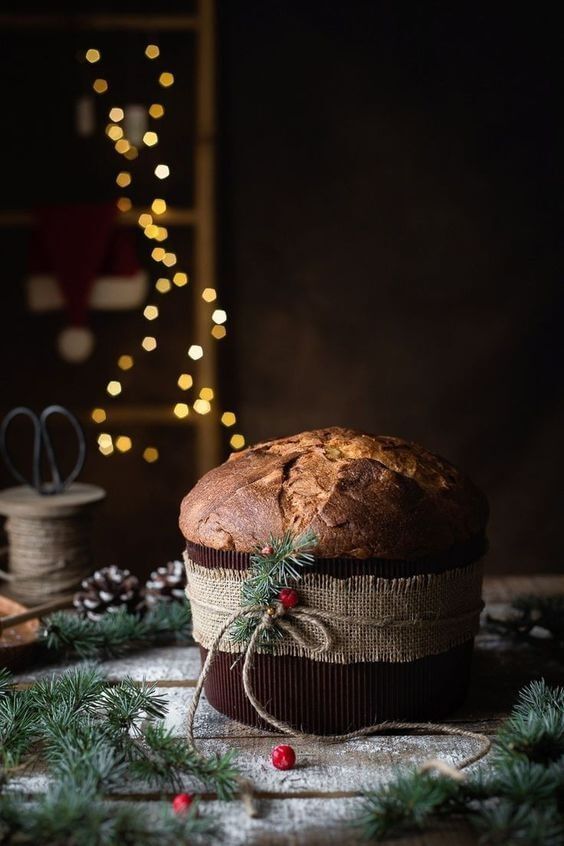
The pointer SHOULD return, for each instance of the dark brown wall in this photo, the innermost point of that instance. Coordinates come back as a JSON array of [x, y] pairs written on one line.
[[391, 198]]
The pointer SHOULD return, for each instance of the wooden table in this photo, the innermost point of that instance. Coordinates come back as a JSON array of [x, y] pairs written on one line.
[[311, 803]]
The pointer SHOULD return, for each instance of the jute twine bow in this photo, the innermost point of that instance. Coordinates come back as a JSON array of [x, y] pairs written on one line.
[[286, 619]]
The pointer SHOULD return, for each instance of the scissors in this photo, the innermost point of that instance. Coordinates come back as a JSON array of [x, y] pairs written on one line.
[[42, 443]]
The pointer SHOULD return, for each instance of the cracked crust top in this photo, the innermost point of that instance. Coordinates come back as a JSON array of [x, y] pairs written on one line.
[[363, 495]]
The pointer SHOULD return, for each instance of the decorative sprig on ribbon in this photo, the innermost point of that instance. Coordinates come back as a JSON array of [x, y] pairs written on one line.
[[274, 567]]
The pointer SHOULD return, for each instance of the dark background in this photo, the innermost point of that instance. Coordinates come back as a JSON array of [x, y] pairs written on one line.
[[390, 217], [46, 162], [392, 220]]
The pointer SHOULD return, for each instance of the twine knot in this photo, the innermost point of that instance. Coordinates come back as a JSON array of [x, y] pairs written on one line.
[[272, 612], [288, 619]]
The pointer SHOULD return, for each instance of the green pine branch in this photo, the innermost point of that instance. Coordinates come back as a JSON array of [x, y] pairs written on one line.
[[17, 728], [165, 759], [269, 572], [535, 729], [517, 799], [5, 681], [94, 738], [116, 634], [82, 818], [405, 804]]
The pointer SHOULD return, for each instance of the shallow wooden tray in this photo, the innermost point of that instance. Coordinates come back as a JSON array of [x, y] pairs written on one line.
[[18, 644]]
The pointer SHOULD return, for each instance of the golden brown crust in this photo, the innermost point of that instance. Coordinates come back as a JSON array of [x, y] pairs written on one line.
[[364, 496]]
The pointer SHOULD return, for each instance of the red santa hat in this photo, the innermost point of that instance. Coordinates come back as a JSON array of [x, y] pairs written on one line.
[[79, 260]]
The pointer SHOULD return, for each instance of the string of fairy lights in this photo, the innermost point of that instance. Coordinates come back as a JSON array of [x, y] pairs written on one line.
[[161, 254]]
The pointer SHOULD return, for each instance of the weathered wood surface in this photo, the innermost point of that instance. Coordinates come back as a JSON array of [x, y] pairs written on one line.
[[312, 803]]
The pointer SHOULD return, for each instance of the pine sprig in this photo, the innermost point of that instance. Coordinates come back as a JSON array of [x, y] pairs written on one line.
[[17, 728], [164, 759], [406, 804], [85, 757], [128, 704], [116, 634], [535, 728], [508, 823], [5, 682], [78, 689], [95, 738], [276, 565], [82, 818], [519, 799]]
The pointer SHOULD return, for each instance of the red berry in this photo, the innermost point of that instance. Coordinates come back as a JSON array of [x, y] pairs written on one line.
[[283, 757], [267, 550], [288, 597], [181, 802]]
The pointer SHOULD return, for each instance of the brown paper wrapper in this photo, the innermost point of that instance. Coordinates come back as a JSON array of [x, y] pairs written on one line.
[[323, 698]]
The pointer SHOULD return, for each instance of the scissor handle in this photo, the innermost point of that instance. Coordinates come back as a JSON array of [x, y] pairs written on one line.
[[27, 412], [57, 485], [42, 439]]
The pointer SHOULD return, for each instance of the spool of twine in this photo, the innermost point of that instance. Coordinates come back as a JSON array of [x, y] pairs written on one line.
[[48, 549]]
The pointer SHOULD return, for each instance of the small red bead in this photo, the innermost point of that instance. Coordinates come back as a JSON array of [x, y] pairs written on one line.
[[288, 597], [182, 802], [283, 757], [267, 550]]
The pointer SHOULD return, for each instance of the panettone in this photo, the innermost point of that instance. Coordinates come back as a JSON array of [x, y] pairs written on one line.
[[392, 520]]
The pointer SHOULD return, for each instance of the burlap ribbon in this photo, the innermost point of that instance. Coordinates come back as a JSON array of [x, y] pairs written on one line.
[[366, 618]]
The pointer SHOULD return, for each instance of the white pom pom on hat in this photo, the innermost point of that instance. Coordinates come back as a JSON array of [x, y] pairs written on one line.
[[75, 344]]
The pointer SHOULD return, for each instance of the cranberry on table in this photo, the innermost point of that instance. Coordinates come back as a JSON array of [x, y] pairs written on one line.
[[182, 802], [283, 757]]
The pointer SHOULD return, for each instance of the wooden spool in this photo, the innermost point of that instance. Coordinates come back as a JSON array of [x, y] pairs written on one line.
[[48, 540]]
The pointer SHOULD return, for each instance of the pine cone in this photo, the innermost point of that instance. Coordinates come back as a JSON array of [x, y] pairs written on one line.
[[108, 590], [166, 584]]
